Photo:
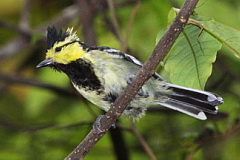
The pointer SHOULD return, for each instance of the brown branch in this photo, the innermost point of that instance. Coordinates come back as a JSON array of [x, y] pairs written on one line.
[[129, 25], [24, 18], [162, 48], [87, 15], [115, 22], [88, 12]]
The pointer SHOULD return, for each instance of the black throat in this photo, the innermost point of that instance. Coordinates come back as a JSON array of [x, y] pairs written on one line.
[[81, 73]]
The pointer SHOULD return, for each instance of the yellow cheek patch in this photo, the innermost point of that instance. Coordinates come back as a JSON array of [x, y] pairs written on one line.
[[68, 53]]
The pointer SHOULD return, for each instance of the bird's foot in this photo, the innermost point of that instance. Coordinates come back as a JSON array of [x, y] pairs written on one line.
[[140, 92], [97, 124]]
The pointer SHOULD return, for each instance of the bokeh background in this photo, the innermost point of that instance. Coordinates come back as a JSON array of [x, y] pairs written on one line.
[[43, 117]]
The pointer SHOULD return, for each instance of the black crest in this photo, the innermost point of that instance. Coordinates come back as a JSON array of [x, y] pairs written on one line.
[[54, 36]]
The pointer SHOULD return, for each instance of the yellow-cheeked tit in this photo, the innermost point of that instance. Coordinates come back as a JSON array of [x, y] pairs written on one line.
[[100, 74]]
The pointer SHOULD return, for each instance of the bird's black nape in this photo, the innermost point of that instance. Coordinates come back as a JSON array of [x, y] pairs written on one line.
[[54, 36]]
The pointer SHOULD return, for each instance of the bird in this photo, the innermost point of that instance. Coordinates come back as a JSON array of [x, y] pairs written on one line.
[[100, 74]]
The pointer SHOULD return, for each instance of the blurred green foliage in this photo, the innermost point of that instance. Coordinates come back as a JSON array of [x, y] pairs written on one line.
[[39, 123]]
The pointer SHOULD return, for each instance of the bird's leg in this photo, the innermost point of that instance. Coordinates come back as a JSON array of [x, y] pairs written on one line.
[[140, 92]]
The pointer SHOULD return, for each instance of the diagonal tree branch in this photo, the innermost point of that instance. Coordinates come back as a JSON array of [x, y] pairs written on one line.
[[88, 11], [162, 48]]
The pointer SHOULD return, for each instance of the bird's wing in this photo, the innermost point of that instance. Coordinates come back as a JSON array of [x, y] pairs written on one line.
[[118, 54]]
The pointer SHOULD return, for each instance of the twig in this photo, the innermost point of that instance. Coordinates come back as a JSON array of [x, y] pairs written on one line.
[[32, 82], [87, 15], [115, 22], [88, 10], [13, 27], [24, 18], [56, 126], [210, 138], [130, 23], [126, 3], [21, 127], [201, 4], [144, 144], [106, 19], [162, 48], [191, 154], [21, 42]]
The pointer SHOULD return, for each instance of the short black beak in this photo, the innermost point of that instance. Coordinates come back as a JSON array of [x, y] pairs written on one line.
[[45, 63]]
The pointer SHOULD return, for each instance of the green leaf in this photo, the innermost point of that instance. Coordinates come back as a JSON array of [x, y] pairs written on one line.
[[171, 15], [189, 62], [225, 34]]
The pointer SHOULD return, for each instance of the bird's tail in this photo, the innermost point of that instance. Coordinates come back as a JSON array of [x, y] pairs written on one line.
[[192, 102]]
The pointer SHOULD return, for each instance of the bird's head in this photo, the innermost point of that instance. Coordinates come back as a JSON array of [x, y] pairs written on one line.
[[62, 47]]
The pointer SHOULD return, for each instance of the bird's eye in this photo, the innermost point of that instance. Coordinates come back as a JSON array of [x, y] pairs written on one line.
[[58, 49]]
